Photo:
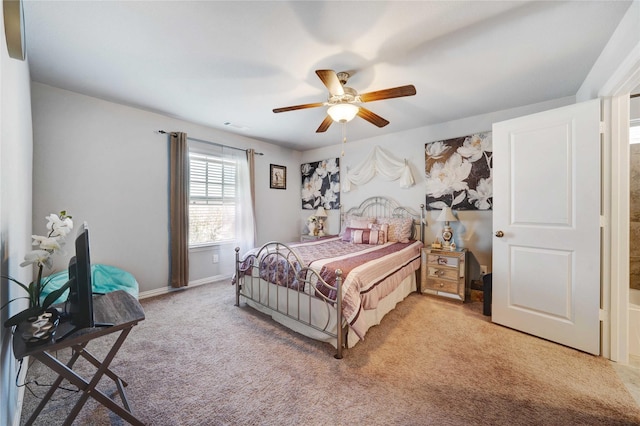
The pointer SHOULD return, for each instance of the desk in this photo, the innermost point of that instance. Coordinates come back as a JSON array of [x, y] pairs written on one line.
[[118, 308]]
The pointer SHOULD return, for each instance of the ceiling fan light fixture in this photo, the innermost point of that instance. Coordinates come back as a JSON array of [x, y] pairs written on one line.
[[343, 113]]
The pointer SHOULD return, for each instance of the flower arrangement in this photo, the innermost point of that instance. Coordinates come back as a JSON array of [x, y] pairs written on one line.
[[59, 226]]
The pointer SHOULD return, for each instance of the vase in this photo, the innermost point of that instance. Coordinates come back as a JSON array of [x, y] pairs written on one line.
[[312, 228]]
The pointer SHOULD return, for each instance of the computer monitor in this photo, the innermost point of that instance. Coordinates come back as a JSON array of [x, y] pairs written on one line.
[[80, 300]]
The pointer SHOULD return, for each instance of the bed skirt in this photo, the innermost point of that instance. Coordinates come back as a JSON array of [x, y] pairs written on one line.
[[321, 316]]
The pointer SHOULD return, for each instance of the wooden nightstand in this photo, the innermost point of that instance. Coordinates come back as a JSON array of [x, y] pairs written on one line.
[[445, 271]]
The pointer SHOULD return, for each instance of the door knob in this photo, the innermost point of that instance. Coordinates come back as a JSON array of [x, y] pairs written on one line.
[[499, 234]]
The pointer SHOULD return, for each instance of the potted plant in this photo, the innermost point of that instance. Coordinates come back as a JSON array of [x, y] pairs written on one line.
[[59, 226]]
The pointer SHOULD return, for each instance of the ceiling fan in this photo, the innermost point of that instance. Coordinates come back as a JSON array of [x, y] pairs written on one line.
[[343, 101]]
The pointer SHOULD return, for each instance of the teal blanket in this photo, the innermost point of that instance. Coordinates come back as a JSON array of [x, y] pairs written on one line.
[[104, 279]]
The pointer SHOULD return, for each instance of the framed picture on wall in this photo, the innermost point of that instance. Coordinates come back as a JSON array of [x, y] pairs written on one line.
[[459, 173], [278, 177]]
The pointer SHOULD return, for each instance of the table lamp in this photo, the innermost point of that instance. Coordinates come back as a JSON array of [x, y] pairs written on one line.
[[321, 214], [446, 216]]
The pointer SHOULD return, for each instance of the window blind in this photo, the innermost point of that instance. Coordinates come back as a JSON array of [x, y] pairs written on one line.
[[212, 198]]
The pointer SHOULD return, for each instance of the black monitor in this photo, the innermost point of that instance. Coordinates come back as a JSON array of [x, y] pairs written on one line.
[[81, 291], [79, 307]]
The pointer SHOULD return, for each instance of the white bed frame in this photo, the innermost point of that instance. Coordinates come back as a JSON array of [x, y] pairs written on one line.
[[307, 311]]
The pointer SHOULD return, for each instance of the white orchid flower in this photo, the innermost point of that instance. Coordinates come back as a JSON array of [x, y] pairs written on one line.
[[58, 226], [46, 243], [39, 257], [321, 170], [332, 166], [447, 178], [436, 149], [475, 146], [311, 188], [329, 197], [306, 169], [481, 195], [307, 190]]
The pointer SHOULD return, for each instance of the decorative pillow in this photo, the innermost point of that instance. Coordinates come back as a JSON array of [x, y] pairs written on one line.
[[400, 229], [383, 228], [367, 236], [346, 235], [352, 221]]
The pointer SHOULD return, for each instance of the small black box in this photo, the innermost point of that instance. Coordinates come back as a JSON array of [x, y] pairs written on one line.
[[486, 295]]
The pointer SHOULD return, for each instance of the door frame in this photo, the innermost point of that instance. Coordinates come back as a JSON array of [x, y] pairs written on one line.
[[615, 207]]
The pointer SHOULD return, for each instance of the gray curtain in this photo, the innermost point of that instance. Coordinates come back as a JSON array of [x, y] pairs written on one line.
[[179, 209]]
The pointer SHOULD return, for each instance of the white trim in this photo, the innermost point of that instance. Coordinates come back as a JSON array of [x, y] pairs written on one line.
[[626, 77], [20, 402], [208, 280], [605, 233], [166, 290], [615, 91], [619, 220]]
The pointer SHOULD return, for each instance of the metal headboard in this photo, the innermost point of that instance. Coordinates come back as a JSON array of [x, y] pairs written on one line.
[[386, 207]]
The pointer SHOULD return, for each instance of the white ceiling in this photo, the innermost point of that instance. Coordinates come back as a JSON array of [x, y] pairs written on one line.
[[212, 62]]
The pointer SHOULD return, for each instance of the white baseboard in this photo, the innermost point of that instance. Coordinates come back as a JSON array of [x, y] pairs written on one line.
[[168, 289], [21, 378]]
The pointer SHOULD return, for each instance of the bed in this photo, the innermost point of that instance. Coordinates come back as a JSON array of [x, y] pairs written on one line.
[[334, 289]]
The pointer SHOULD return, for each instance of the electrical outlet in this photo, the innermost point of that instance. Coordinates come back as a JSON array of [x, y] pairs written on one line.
[[216, 259], [483, 270]]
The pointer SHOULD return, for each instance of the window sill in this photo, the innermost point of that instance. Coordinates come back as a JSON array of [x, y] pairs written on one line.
[[208, 246]]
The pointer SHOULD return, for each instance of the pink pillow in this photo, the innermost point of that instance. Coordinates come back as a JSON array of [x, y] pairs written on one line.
[[346, 235], [352, 221], [367, 236]]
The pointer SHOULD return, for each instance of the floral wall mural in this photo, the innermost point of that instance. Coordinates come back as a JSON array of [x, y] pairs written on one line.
[[321, 184], [459, 173]]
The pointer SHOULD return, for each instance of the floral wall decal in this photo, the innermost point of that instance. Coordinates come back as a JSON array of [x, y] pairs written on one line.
[[459, 173], [321, 184]]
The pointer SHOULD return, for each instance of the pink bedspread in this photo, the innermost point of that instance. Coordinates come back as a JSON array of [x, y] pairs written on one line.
[[369, 272]]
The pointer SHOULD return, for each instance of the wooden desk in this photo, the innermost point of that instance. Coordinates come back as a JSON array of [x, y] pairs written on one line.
[[118, 308]]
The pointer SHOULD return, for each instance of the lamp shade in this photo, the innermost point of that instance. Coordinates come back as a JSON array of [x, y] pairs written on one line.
[[342, 112], [321, 212], [446, 215]]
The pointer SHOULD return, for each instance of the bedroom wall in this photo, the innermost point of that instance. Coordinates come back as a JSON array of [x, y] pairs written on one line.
[[15, 210], [106, 164], [474, 228]]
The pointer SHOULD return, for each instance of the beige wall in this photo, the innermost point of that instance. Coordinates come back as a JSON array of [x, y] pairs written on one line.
[[112, 171]]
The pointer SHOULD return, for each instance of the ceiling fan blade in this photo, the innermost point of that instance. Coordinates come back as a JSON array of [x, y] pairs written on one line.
[[295, 107], [325, 124], [330, 79], [372, 117], [396, 92]]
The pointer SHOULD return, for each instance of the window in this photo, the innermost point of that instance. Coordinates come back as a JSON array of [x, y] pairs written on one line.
[[212, 198]]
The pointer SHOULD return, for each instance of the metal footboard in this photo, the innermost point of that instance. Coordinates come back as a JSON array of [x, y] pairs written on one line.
[[275, 278]]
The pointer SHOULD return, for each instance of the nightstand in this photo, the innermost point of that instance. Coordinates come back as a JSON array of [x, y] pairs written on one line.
[[445, 271]]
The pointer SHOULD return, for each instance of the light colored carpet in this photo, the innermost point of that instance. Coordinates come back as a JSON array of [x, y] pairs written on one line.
[[199, 360]]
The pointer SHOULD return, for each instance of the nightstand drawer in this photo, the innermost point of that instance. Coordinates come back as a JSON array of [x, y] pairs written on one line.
[[451, 274], [434, 259], [442, 285]]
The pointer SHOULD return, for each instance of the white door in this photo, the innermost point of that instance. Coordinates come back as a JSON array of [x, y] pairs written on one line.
[[546, 221]]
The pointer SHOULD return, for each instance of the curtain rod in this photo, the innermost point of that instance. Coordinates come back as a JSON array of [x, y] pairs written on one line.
[[211, 143]]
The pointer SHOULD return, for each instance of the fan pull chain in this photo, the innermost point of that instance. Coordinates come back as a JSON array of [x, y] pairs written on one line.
[[344, 136]]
